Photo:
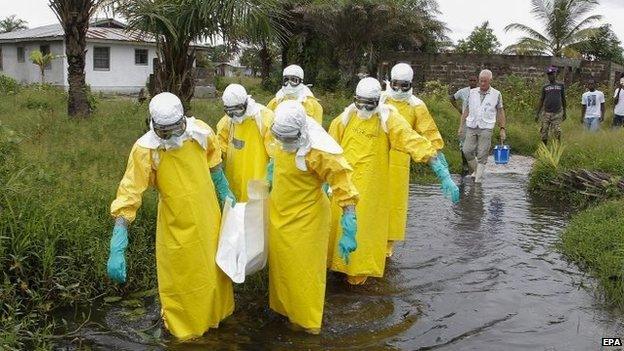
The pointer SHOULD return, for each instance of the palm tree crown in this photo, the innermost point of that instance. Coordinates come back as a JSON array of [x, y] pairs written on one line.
[[565, 28]]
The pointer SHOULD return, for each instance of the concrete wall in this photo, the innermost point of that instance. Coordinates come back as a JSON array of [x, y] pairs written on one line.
[[454, 69], [26, 72], [124, 75]]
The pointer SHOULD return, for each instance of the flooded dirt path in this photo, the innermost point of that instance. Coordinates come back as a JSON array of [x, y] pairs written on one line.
[[480, 275]]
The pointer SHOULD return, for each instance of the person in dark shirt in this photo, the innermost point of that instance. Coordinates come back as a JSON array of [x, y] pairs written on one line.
[[552, 106]]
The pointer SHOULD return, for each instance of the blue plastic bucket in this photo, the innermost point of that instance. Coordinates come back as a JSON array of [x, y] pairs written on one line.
[[501, 154]]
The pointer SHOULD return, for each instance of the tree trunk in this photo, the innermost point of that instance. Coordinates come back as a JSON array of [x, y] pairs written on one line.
[[175, 73], [267, 62], [76, 26]]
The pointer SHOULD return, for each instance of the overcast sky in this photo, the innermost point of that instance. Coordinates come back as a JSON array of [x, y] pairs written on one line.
[[461, 16]]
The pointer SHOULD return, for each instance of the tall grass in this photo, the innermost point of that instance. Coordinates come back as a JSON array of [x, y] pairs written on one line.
[[595, 240], [601, 151]]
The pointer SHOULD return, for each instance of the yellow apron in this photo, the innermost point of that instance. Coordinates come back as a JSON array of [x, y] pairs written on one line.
[[194, 293], [246, 157], [366, 146], [421, 121], [311, 105], [298, 237]]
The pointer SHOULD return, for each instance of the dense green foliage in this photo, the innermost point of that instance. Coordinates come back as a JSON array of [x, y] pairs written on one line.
[[482, 40], [604, 46]]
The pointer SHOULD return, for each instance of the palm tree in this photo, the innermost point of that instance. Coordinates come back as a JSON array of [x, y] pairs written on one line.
[[362, 32], [41, 60], [264, 32], [12, 23], [565, 24], [74, 16], [178, 24]]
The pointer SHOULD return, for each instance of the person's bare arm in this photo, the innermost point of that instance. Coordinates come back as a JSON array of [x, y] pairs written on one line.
[[583, 110], [462, 122], [501, 118], [454, 103], [502, 124], [602, 111]]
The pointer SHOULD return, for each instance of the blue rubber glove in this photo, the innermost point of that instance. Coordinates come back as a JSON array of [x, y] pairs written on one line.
[[443, 159], [116, 266], [347, 243], [269, 170], [449, 188], [222, 186], [326, 189]]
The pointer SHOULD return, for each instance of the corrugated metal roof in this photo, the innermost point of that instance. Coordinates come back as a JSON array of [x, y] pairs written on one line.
[[94, 33]]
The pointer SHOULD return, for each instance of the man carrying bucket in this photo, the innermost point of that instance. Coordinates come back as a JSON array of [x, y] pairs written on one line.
[[484, 109]]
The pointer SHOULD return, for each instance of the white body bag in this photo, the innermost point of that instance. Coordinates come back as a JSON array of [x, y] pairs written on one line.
[[243, 242]]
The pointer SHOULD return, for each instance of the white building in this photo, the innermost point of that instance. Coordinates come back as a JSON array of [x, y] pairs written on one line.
[[117, 60]]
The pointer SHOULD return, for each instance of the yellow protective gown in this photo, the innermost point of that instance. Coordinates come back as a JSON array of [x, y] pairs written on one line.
[[311, 105], [299, 232], [245, 149], [367, 148], [195, 294], [419, 118]]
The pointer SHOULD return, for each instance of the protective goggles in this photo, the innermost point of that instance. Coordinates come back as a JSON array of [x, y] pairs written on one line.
[[236, 110], [292, 80], [402, 85], [287, 140], [165, 132], [368, 104]]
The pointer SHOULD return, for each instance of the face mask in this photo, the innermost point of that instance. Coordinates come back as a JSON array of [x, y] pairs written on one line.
[[401, 95], [291, 147], [292, 91], [365, 114], [173, 143]]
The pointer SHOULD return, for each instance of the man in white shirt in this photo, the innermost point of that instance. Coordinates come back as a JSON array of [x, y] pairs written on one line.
[[593, 102], [618, 101], [484, 109]]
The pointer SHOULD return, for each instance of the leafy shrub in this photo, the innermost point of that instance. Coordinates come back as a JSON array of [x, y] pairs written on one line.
[[8, 85]]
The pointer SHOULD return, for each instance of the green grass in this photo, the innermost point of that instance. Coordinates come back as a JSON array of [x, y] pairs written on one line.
[[595, 240]]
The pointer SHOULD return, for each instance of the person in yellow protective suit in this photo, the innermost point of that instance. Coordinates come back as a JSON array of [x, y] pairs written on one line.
[[399, 94], [293, 88], [244, 137], [180, 157], [368, 130], [305, 158]]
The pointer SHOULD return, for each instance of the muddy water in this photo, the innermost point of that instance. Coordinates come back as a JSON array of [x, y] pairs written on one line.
[[480, 275]]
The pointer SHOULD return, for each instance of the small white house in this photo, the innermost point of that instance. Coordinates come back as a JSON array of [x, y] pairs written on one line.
[[117, 61]]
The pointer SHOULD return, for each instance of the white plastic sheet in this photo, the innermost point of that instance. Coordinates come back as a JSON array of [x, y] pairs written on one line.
[[243, 241]]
